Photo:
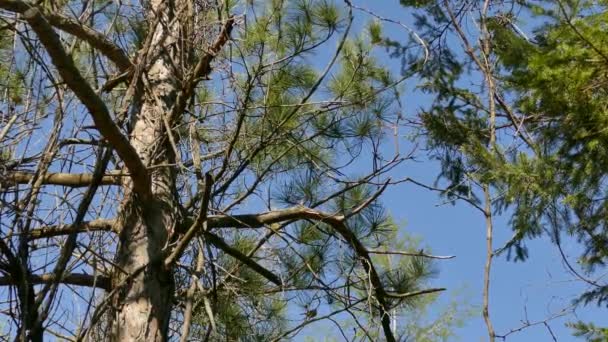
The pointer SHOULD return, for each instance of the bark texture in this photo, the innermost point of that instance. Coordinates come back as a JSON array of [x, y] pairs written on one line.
[[143, 304]]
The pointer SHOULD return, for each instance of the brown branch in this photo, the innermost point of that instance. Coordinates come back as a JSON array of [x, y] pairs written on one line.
[[374, 278], [235, 253], [270, 217], [66, 179], [99, 112], [71, 26], [116, 80], [338, 224], [107, 225], [213, 221], [187, 323], [203, 67], [517, 123], [65, 229], [414, 254], [263, 219], [413, 293], [196, 226], [372, 198], [201, 70], [77, 279], [8, 126]]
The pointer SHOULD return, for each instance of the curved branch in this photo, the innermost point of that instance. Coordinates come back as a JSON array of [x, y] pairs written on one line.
[[270, 217], [198, 224], [338, 224], [369, 267], [413, 254]]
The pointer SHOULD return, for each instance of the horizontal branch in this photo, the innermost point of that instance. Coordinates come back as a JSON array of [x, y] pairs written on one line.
[[413, 293], [96, 107], [66, 179], [337, 222], [65, 229], [77, 279], [414, 254], [213, 221], [96, 39], [270, 217]]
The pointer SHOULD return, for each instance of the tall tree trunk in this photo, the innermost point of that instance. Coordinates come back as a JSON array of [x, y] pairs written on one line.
[[142, 307]]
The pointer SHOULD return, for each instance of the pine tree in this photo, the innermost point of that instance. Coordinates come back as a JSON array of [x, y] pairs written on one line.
[[185, 169]]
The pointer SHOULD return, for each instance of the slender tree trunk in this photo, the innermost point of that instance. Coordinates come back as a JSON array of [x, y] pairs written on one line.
[[142, 307]]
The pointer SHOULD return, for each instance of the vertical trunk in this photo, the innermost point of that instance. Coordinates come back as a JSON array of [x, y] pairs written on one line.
[[142, 307]]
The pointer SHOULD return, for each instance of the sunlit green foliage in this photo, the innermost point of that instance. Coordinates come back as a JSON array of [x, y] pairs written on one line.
[[590, 332], [552, 91], [301, 76]]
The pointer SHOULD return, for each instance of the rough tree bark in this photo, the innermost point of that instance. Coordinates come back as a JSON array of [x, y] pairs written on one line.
[[143, 305]]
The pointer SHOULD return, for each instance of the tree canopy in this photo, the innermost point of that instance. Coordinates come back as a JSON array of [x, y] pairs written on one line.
[[194, 161], [215, 170]]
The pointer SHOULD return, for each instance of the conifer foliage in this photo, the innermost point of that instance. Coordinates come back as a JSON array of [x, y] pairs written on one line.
[[519, 109], [196, 170]]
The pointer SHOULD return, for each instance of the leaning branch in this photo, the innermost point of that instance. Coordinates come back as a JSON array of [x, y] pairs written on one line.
[[198, 224], [213, 221], [99, 112], [414, 293], [267, 218], [96, 39], [201, 70], [235, 253]]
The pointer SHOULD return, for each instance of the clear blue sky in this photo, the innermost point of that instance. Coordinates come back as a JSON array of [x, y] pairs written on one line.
[[534, 290]]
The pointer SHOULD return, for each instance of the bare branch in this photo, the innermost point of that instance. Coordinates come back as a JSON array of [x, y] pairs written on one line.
[[413, 293], [78, 279], [66, 179], [369, 200], [64, 229], [99, 112], [7, 127], [200, 260], [201, 70], [221, 244], [199, 223], [414, 254]]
